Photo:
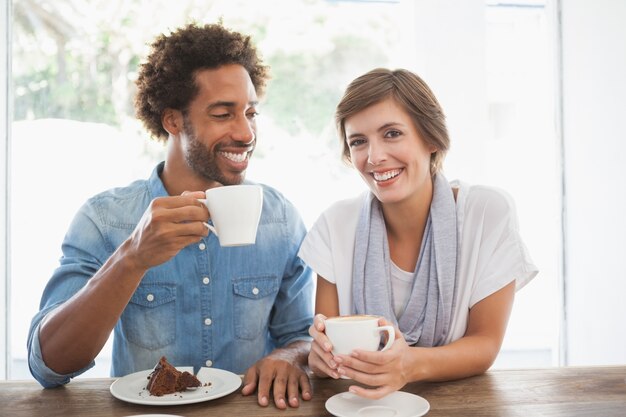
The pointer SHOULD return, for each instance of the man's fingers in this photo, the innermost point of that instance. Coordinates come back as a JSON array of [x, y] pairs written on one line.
[[175, 242], [293, 390], [194, 194], [185, 214], [280, 388], [249, 381], [263, 388], [176, 202], [305, 387]]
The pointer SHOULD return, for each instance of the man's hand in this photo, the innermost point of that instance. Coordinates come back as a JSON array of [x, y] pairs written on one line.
[[282, 371], [168, 225]]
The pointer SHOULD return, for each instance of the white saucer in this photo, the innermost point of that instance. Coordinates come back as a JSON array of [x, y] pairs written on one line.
[[396, 404], [154, 415]]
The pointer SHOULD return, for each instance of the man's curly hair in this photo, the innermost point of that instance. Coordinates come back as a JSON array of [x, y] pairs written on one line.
[[166, 79]]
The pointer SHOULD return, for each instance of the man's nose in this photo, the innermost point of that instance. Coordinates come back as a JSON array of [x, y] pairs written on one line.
[[244, 131]]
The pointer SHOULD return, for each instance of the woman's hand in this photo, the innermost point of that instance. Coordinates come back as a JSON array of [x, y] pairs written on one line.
[[321, 359], [386, 371]]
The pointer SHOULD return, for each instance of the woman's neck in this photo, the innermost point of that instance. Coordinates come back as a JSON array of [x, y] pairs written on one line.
[[405, 223], [406, 217]]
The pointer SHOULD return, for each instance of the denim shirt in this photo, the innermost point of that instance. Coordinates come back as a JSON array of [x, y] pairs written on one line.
[[224, 307]]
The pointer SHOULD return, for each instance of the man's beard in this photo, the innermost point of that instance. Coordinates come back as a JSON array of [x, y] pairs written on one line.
[[204, 162]]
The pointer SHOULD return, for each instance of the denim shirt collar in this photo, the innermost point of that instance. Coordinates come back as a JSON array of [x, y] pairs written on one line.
[[155, 184]]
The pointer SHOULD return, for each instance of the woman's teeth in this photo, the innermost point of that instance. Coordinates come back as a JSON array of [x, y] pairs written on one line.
[[235, 157], [384, 176]]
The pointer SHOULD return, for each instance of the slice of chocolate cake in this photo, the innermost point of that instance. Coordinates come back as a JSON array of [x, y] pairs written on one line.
[[165, 379]]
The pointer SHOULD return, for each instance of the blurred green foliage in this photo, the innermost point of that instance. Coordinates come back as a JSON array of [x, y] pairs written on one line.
[[76, 59]]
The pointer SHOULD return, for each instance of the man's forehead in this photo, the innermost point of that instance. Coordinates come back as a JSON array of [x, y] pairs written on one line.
[[232, 75], [229, 83]]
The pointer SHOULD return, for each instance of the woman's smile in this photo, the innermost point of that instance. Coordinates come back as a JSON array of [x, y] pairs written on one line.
[[382, 177]]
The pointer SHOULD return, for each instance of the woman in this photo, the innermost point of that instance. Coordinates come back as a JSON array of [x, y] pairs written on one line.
[[440, 261]]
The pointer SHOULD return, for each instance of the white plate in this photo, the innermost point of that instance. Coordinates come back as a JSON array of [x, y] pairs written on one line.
[[132, 388], [396, 404]]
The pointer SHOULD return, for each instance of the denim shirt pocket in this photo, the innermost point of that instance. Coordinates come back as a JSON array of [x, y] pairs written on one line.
[[149, 320], [253, 301]]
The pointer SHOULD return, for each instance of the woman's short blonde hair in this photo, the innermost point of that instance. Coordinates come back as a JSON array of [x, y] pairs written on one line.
[[410, 92]]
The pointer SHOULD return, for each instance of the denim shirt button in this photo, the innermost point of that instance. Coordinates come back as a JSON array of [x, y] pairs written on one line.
[[150, 297], [209, 363], [206, 280], [202, 246], [207, 322], [255, 291]]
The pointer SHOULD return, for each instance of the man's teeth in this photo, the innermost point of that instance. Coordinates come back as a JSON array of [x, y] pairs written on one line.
[[384, 176], [235, 157]]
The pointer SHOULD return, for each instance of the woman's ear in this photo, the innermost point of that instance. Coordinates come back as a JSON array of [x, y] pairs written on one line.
[[172, 121]]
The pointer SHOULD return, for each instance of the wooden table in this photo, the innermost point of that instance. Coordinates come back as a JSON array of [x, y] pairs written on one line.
[[570, 391]]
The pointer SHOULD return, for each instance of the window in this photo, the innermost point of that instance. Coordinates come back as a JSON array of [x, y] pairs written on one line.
[[520, 154], [4, 170], [74, 133]]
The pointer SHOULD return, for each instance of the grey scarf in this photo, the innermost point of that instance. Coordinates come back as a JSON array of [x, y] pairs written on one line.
[[428, 314]]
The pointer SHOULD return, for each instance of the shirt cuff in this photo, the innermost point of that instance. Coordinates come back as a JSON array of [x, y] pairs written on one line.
[[297, 339], [44, 375]]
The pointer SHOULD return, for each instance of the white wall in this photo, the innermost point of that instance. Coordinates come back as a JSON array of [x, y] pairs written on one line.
[[594, 131]]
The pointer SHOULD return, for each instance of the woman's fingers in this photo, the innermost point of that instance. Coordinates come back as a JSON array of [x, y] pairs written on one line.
[[374, 394], [319, 365], [317, 332]]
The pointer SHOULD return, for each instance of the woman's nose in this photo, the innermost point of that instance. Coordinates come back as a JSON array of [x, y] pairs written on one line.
[[376, 154]]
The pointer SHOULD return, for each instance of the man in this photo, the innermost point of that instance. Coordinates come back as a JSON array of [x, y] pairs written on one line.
[[140, 261]]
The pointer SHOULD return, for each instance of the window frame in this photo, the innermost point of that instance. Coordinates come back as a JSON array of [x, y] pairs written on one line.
[[5, 69]]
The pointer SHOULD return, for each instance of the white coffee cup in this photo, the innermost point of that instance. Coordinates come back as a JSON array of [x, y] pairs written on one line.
[[235, 213], [347, 333]]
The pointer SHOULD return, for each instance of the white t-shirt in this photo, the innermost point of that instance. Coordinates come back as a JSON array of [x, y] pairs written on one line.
[[491, 251], [401, 286]]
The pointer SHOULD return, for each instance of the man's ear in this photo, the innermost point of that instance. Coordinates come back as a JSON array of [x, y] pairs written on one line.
[[172, 121]]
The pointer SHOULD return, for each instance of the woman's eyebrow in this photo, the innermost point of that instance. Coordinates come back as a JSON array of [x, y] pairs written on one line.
[[390, 124], [383, 127]]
